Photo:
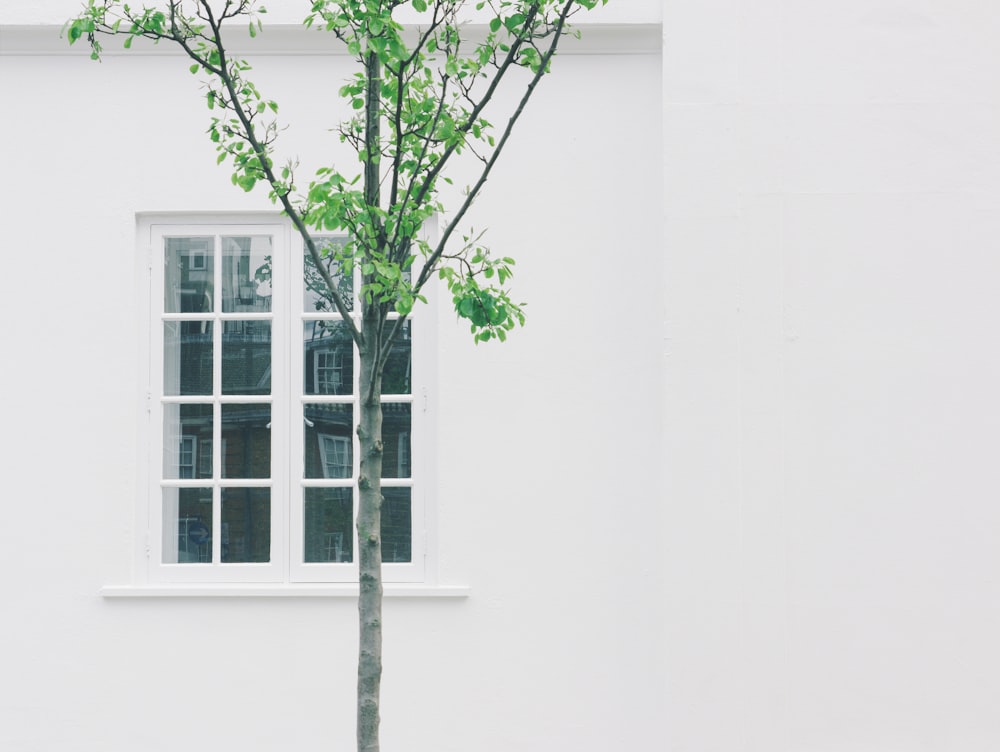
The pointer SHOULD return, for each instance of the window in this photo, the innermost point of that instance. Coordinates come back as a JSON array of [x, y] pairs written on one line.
[[336, 454], [253, 401], [185, 457], [329, 367]]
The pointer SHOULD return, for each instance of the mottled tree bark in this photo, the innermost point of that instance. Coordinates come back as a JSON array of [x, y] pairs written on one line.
[[370, 445], [370, 544]]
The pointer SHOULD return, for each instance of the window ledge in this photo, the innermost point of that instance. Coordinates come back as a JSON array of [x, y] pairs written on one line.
[[345, 590]]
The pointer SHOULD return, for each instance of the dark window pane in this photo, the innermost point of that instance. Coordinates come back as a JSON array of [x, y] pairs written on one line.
[[329, 525], [187, 357], [184, 428], [246, 435], [188, 275], [246, 357], [246, 274], [396, 439], [246, 525], [397, 526], [187, 525], [329, 358], [329, 431], [396, 379]]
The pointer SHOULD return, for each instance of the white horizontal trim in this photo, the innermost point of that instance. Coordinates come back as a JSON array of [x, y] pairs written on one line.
[[336, 590], [295, 39]]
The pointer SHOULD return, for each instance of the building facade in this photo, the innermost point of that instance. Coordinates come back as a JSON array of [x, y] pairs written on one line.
[[731, 487]]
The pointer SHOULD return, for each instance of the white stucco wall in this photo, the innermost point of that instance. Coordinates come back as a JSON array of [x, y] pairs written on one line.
[[810, 442], [832, 174], [559, 643]]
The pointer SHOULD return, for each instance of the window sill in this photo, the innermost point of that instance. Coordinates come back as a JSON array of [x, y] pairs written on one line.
[[339, 590]]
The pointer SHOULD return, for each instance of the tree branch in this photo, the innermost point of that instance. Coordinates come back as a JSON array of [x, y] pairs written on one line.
[[432, 260]]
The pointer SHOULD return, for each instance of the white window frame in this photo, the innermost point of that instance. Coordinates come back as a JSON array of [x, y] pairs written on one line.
[[287, 402]]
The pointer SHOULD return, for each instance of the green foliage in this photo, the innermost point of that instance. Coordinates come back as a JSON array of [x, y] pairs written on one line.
[[490, 311], [416, 103]]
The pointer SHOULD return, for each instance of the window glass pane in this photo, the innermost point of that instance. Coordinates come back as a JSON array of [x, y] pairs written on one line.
[[205, 467], [396, 379], [246, 357], [316, 293], [246, 274], [187, 357], [246, 525], [329, 431], [188, 271], [396, 525], [187, 525], [329, 525], [329, 358], [246, 435], [396, 440], [184, 427]]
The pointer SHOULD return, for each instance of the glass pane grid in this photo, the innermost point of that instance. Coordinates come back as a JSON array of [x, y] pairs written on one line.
[[217, 323]]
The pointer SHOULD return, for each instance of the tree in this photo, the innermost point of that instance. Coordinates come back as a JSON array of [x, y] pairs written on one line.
[[420, 99]]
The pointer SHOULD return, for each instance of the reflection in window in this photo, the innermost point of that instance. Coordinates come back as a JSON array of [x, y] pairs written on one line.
[[396, 439], [328, 370], [335, 452], [187, 525], [189, 275], [247, 436], [246, 357], [184, 426], [329, 431], [316, 294], [246, 525], [398, 366], [328, 352], [205, 459], [185, 457], [329, 525], [187, 357], [397, 525], [246, 274]]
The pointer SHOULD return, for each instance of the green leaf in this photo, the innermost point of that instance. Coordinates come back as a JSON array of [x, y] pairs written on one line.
[[194, 68], [419, 5]]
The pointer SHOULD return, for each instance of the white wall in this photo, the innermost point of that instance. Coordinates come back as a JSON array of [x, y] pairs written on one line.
[[815, 566], [559, 644], [832, 176]]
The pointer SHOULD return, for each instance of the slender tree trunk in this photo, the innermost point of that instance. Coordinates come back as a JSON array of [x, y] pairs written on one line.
[[370, 540], [370, 439]]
